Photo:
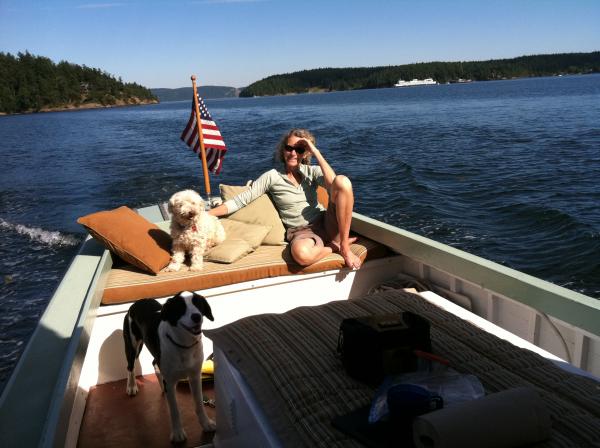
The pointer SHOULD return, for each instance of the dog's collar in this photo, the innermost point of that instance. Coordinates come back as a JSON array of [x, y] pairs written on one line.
[[183, 227], [180, 345]]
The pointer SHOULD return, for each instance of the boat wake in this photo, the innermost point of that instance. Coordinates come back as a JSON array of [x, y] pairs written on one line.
[[38, 235]]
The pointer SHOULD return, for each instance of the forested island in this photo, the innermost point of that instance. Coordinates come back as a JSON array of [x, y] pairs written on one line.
[[31, 83], [331, 79]]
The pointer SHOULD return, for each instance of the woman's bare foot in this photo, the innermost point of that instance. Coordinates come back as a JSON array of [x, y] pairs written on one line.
[[335, 245], [351, 260]]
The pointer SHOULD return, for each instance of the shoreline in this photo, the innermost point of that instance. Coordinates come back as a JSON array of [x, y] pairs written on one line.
[[318, 90], [86, 106]]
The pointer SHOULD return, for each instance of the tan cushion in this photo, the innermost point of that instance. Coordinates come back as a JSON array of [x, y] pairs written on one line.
[[242, 238], [126, 283], [229, 251], [132, 237], [254, 234], [260, 211]]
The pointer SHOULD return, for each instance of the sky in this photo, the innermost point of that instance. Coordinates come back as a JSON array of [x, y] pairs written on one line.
[[237, 42]]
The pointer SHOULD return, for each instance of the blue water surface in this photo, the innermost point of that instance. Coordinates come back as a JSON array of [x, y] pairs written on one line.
[[508, 170]]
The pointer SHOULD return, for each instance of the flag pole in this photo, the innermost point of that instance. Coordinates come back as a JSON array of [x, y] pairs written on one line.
[[201, 140]]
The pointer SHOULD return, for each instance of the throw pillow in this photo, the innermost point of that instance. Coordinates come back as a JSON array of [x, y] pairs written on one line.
[[132, 237], [254, 234], [242, 238], [229, 251], [261, 211]]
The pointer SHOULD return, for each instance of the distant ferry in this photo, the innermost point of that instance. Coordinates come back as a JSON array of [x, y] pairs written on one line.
[[416, 82]]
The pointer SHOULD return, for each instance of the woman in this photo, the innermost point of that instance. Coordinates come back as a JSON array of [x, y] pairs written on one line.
[[312, 231]]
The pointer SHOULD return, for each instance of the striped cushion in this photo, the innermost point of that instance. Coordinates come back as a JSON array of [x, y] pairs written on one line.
[[290, 363], [126, 283]]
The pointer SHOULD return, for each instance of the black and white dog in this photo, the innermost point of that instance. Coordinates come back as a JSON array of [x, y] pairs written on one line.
[[173, 335]]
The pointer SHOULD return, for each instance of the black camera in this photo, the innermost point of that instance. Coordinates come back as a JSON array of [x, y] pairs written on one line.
[[372, 347]]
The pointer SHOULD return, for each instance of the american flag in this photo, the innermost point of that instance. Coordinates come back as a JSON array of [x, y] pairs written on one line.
[[214, 146]]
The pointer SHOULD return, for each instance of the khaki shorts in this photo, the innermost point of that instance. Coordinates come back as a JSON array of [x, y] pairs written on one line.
[[314, 230], [317, 230]]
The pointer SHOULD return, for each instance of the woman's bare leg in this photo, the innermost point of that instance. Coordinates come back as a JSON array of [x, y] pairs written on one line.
[[305, 251], [339, 231]]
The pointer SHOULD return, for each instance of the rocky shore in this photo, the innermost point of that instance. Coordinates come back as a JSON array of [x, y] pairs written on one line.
[[73, 107]]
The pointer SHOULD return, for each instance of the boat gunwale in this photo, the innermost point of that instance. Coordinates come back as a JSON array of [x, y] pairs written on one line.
[[556, 301], [66, 390], [45, 408]]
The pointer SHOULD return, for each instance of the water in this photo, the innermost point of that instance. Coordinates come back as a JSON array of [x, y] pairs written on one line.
[[507, 170]]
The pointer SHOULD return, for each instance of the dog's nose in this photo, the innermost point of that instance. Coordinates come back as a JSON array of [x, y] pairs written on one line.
[[196, 317]]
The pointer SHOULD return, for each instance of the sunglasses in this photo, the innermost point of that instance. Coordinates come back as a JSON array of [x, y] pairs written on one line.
[[290, 148]]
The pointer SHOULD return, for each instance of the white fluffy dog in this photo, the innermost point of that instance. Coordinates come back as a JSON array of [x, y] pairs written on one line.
[[193, 230]]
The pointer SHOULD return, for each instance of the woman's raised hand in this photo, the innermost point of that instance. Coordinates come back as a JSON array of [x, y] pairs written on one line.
[[308, 146]]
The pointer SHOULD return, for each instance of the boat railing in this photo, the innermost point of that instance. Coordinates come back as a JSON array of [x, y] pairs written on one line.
[[569, 306]]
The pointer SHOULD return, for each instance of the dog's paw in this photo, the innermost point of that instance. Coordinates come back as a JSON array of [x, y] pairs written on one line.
[[172, 267], [132, 392], [178, 435], [132, 387], [209, 425], [196, 267]]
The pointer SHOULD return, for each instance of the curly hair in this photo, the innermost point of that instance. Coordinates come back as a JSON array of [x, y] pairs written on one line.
[[300, 133]]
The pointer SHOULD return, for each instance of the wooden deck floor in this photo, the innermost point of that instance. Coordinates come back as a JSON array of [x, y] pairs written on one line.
[[113, 419]]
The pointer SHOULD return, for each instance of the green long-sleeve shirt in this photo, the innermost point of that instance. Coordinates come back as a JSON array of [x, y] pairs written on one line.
[[297, 206]]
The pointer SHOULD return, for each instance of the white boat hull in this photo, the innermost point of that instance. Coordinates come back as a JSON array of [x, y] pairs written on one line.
[[416, 82], [77, 343]]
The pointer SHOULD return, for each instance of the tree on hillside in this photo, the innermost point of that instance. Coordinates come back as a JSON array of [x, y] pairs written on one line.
[[30, 83]]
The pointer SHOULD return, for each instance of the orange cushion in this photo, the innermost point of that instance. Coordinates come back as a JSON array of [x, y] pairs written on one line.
[[323, 196], [132, 237]]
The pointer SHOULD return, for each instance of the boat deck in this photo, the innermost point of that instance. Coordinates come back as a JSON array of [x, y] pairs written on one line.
[[113, 419], [288, 367]]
